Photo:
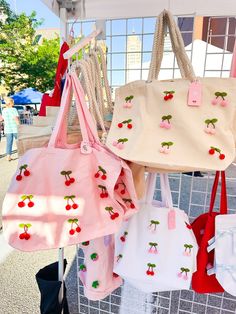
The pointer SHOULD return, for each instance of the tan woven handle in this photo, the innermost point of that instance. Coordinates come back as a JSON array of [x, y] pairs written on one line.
[[165, 19]]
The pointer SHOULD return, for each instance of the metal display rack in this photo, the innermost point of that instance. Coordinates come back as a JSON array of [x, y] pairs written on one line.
[[189, 193]]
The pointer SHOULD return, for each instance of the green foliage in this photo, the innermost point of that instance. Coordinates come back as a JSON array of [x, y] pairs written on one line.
[[23, 62]]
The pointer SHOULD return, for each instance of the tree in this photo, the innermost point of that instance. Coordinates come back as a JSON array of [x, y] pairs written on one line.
[[23, 62]]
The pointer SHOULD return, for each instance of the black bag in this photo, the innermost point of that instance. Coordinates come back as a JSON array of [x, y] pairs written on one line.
[[49, 286]]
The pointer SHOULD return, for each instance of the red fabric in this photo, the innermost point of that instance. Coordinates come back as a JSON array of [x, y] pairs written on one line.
[[201, 281], [56, 97]]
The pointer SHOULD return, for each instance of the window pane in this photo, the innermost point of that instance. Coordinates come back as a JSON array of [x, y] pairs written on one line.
[[118, 61], [133, 75], [144, 74], [165, 74], [134, 26], [118, 27], [227, 61], [118, 78], [87, 28], [134, 43], [147, 42], [133, 60], [118, 44], [146, 60], [185, 23], [149, 25], [212, 74], [214, 62]]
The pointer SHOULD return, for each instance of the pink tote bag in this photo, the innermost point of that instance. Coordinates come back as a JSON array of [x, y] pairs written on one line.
[[66, 194]]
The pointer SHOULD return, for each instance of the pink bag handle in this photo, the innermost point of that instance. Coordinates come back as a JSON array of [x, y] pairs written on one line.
[[87, 126]]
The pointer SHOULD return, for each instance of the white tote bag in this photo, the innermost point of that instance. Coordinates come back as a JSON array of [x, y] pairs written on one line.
[[155, 250], [178, 124], [224, 244]]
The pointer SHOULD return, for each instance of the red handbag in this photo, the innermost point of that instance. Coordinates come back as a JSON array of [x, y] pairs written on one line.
[[55, 99], [204, 229]]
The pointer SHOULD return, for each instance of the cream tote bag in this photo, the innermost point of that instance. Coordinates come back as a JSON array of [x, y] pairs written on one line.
[[179, 124], [156, 249]]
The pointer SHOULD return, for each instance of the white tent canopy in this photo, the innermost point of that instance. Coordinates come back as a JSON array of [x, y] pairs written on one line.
[[104, 9]]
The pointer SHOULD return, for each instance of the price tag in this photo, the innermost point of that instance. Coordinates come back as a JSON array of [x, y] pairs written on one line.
[[195, 94], [85, 148]]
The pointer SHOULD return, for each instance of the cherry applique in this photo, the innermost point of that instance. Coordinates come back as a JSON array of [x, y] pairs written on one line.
[[95, 284], [82, 268], [123, 237], [183, 273], [165, 123], [86, 243], [73, 222], [120, 143], [25, 235], [220, 99], [103, 189], [165, 147], [125, 122], [153, 248], [212, 151], [68, 179], [94, 257], [123, 189], [210, 126], [119, 257], [153, 225], [150, 271], [168, 94], [70, 198], [24, 198], [128, 200], [26, 172], [128, 101], [187, 249], [111, 212], [103, 171]]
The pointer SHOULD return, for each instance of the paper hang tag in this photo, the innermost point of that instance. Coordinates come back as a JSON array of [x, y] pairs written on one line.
[[85, 148], [171, 219], [195, 94]]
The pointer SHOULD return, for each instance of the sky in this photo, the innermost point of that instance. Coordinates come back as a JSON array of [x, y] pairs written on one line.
[[27, 6]]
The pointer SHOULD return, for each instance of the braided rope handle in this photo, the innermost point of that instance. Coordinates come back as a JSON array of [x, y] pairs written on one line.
[[105, 79], [165, 19], [87, 72], [98, 82]]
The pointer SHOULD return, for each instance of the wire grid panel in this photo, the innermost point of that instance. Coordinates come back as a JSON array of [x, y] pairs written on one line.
[[129, 43]]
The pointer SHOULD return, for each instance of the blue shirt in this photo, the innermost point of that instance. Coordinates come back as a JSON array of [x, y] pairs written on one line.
[[10, 125]]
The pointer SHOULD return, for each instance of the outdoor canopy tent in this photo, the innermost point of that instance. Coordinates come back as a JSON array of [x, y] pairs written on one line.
[[27, 96], [112, 9]]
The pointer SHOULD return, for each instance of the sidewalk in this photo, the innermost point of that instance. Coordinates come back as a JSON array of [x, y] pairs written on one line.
[[19, 293]]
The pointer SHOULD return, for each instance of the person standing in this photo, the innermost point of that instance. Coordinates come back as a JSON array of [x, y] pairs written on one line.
[[11, 120]]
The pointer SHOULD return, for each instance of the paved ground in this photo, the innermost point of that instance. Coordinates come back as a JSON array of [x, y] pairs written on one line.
[[18, 289]]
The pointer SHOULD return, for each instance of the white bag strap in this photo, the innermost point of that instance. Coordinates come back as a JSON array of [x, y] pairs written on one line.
[[165, 190], [165, 19], [150, 187]]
